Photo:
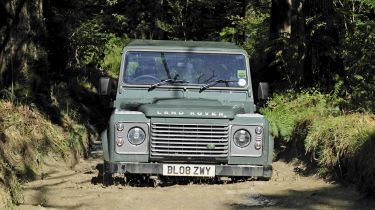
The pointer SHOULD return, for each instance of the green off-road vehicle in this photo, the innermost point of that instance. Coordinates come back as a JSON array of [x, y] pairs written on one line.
[[186, 109]]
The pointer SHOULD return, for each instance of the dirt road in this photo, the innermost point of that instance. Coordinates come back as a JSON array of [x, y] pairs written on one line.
[[65, 188]]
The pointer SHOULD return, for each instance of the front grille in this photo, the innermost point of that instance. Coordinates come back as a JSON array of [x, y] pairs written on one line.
[[189, 140]]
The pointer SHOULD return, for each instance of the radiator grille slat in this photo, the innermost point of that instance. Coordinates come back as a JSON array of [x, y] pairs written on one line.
[[189, 127], [189, 140], [197, 135], [217, 143], [188, 147], [190, 132]]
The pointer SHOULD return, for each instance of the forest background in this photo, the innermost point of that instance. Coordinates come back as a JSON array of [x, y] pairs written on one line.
[[318, 56]]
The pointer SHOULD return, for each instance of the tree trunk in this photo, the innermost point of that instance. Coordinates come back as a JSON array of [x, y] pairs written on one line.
[[298, 36], [281, 14], [22, 43], [280, 27]]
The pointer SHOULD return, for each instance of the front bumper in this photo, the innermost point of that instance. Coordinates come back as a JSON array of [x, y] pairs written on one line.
[[157, 169]]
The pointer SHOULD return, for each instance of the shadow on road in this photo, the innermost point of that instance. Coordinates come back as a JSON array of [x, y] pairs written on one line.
[[334, 197]]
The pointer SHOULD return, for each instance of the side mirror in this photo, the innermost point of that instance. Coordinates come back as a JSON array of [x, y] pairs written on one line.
[[105, 86], [263, 91]]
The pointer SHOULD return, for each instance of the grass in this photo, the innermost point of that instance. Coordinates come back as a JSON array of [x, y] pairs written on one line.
[[26, 137], [341, 144], [310, 126]]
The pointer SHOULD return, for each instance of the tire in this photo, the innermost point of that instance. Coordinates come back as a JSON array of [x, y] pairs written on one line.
[[107, 179]]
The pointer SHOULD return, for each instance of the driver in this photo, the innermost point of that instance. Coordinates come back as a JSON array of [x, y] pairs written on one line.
[[145, 68], [145, 73]]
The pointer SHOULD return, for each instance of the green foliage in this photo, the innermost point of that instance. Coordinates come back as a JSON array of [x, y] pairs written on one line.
[[228, 34], [111, 2], [251, 31], [370, 3], [330, 48], [121, 20], [358, 54], [257, 32], [331, 140], [288, 60], [285, 111], [337, 142], [112, 55], [96, 47], [343, 148], [88, 41], [253, 26]]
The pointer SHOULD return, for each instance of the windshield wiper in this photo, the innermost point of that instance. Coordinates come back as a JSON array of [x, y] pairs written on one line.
[[213, 83], [164, 81]]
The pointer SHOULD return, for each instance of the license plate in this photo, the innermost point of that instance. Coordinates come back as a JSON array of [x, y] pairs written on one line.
[[188, 170]]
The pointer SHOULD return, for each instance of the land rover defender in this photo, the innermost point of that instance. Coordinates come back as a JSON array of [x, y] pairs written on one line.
[[185, 109]]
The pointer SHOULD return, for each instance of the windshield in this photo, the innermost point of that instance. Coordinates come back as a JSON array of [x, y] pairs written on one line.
[[196, 69]]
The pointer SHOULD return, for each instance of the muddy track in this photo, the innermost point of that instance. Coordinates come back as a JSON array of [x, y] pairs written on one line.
[[80, 188]]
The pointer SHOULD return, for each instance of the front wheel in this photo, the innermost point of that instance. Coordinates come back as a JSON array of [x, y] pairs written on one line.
[[266, 179], [107, 179]]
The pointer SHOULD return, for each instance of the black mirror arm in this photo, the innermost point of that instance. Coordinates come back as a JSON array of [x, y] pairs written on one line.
[[105, 86], [263, 91], [263, 95]]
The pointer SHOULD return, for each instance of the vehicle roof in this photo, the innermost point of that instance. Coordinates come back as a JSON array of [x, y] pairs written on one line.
[[194, 46]]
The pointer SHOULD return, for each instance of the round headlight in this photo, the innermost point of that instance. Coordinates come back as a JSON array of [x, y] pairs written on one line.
[[259, 130], [242, 138], [120, 126], [136, 136]]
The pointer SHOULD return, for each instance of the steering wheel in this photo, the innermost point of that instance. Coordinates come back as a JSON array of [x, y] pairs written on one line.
[[146, 78]]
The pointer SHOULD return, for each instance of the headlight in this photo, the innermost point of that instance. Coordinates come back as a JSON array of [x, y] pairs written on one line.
[[259, 130], [242, 138], [136, 136]]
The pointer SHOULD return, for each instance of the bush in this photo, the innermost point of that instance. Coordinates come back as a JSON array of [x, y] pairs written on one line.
[[26, 136], [285, 111], [112, 55], [340, 144], [333, 140]]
